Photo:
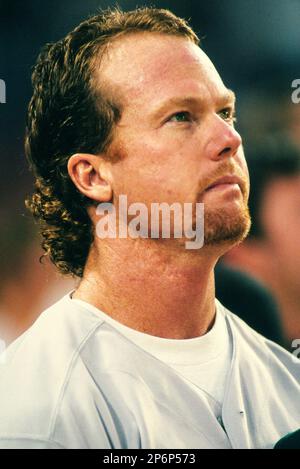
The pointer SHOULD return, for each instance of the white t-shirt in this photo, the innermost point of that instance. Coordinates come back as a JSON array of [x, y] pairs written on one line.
[[205, 360], [72, 380]]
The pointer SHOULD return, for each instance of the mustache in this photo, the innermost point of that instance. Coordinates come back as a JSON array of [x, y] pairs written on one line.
[[224, 169]]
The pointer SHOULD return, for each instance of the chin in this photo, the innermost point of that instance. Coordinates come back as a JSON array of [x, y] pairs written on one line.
[[226, 228]]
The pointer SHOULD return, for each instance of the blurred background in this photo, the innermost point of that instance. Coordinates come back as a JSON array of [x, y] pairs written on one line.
[[255, 45]]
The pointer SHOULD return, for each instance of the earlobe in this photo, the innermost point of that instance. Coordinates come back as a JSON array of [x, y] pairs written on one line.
[[91, 175]]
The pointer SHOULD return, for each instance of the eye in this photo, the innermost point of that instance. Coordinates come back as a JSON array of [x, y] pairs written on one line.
[[228, 114], [182, 116]]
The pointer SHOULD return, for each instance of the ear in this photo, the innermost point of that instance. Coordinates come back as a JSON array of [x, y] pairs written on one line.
[[92, 176]]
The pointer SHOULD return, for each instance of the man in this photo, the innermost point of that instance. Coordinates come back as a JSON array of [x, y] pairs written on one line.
[[271, 253], [141, 354]]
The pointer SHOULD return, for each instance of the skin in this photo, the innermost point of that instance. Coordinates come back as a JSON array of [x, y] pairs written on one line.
[[275, 258], [152, 285]]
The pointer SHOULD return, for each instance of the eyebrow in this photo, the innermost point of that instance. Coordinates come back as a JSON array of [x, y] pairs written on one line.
[[228, 97]]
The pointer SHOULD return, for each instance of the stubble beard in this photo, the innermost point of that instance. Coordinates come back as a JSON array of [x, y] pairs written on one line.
[[226, 225]]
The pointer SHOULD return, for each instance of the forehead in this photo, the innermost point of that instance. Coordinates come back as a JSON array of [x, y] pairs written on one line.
[[150, 67]]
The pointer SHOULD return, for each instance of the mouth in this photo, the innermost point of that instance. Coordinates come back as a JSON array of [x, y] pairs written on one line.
[[225, 183]]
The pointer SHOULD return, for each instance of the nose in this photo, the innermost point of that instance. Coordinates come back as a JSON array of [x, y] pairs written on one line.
[[225, 140]]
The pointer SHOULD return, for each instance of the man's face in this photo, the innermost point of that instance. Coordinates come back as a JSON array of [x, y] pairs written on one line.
[[176, 134], [280, 214]]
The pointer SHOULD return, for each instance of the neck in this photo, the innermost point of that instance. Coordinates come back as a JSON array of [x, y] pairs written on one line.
[[150, 287]]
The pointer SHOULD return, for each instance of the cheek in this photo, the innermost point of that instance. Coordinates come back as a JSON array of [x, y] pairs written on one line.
[[155, 172], [243, 165], [147, 182]]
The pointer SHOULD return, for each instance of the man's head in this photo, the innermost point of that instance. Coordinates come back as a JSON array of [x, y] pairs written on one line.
[[103, 121]]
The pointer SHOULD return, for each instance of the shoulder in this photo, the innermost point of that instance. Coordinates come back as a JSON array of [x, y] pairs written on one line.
[[37, 366], [253, 347], [264, 381]]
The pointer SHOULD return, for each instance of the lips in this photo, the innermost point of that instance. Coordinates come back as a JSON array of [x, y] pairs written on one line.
[[230, 179]]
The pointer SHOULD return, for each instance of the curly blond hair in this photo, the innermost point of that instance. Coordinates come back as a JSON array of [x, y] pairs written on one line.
[[68, 114]]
